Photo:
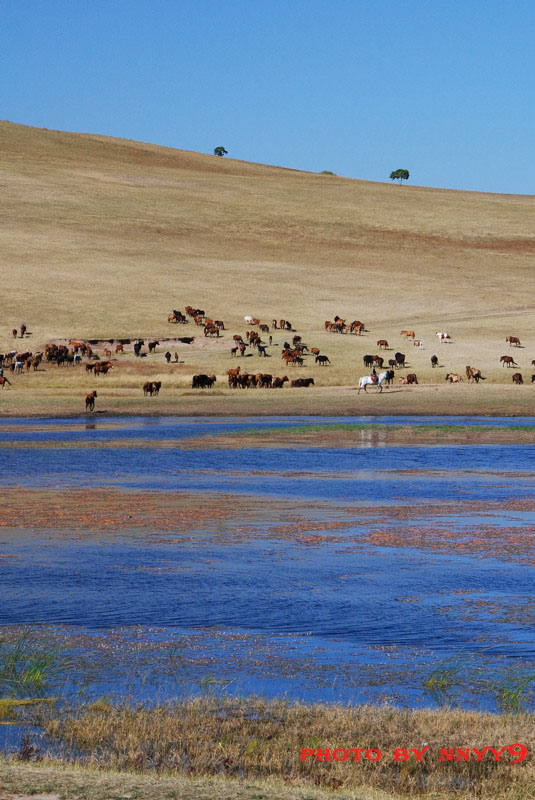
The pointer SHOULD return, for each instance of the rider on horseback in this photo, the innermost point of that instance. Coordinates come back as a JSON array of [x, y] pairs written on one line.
[[373, 375]]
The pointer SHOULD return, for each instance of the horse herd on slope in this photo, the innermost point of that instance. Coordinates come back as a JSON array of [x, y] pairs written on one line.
[[293, 354]]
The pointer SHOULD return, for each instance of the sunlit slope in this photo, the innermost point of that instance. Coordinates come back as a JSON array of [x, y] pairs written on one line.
[[102, 236]]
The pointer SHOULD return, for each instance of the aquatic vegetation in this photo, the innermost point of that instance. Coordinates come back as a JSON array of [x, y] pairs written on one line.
[[30, 666]]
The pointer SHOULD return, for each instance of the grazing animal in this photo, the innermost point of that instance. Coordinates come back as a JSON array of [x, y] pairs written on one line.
[[119, 348], [474, 374], [513, 340], [278, 383], [412, 378], [203, 381], [357, 327], [3, 381], [382, 343], [90, 400], [322, 360], [303, 382], [14, 333], [89, 367], [22, 330], [378, 360], [101, 367], [452, 377], [152, 346], [400, 359], [517, 378], [408, 334], [442, 336], [368, 361], [509, 360]]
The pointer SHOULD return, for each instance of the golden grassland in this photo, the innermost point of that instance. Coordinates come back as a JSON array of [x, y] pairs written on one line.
[[219, 747], [103, 237]]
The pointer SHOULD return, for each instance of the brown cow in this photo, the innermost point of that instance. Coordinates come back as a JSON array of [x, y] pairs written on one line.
[[517, 378], [90, 400]]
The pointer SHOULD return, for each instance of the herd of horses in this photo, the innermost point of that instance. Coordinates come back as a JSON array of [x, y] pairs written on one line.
[[293, 353]]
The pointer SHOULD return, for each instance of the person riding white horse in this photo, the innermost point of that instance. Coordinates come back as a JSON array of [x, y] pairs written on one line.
[[373, 380]]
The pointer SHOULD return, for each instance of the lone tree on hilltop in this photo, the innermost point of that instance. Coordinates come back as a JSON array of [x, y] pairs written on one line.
[[399, 175], [220, 151]]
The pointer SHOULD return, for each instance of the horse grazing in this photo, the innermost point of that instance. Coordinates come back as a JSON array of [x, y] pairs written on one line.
[[517, 378], [452, 377], [278, 383], [382, 343], [434, 361], [322, 360], [443, 337], [203, 381], [509, 360], [90, 400], [513, 340]]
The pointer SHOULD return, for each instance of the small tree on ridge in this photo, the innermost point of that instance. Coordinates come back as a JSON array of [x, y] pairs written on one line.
[[399, 175]]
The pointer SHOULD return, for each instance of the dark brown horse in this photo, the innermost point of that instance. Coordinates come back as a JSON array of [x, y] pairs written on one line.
[[90, 400]]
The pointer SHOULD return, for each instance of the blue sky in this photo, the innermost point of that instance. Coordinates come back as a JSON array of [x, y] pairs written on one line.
[[443, 88]]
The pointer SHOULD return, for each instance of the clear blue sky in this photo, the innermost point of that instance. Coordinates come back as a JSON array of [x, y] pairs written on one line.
[[443, 88]]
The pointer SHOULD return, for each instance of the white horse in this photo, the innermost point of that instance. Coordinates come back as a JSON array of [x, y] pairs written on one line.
[[367, 380]]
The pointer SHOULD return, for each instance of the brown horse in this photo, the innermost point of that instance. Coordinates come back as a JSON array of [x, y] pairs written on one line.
[[3, 382], [90, 400]]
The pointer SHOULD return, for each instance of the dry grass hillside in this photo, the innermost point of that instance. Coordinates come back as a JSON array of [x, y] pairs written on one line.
[[102, 237]]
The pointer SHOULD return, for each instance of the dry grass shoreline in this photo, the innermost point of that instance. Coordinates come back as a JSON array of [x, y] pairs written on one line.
[[254, 748]]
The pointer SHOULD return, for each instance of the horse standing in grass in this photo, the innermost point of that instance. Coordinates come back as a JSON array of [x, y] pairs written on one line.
[[90, 400]]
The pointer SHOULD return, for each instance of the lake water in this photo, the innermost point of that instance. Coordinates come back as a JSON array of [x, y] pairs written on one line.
[[321, 574]]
